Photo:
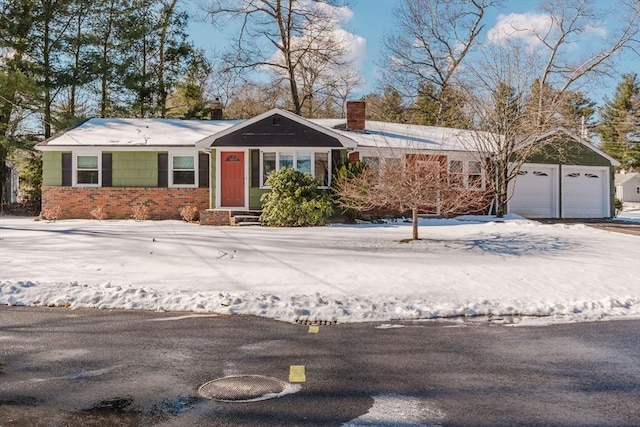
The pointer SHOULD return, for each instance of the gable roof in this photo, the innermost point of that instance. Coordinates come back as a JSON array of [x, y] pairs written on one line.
[[136, 133], [621, 178], [578, 139], [345, 140]]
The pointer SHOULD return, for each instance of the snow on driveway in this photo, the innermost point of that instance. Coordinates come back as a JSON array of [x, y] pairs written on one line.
[[462, 267]]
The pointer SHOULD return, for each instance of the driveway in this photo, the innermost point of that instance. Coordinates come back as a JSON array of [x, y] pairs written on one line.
[[614, 225]]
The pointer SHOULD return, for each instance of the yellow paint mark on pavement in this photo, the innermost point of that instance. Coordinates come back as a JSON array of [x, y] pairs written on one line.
[[314, 329], [296, 374]]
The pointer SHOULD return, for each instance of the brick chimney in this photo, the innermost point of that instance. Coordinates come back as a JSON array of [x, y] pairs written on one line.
[[216, 109], [355, 115]]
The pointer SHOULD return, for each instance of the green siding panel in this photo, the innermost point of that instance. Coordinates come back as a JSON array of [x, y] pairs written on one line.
[[52, 168], [570, 152], [135, 169], [254, 197]]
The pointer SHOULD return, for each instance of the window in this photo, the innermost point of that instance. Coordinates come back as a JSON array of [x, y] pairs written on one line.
[[372, 162], [88, 170], [475, 174], [286, 160], [303, 162], [183, 170], [456, 177], [268, 165], [321, 167], [316, 164]]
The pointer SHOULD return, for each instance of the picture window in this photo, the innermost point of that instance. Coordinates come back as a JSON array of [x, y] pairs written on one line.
[[314, 163]]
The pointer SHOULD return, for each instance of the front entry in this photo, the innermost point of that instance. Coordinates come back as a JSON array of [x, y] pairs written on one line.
[[232, 179]]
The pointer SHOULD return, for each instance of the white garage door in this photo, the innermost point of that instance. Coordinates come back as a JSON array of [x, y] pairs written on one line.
[[535, 192], [585, 192]]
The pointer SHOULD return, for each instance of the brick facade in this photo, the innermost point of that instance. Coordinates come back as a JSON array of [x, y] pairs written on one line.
[[118, 202], [215, 217]]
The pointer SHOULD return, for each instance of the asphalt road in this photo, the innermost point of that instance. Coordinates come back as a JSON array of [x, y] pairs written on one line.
[[61, 367]]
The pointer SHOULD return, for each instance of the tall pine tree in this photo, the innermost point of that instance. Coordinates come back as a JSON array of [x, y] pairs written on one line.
[[619, 126]]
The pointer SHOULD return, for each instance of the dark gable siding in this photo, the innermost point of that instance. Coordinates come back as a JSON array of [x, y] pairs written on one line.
[[277, 131]]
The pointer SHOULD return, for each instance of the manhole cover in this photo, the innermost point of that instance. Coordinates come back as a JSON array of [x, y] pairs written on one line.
[[242, 388]]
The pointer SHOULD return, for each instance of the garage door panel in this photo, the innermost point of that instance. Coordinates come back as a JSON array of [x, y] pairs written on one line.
[[584, 192], [534, 194]]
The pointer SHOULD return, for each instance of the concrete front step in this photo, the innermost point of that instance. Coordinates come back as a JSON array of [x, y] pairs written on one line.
[[245, 218]]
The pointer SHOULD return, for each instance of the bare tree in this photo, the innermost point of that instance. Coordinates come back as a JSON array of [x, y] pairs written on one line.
[[416, 182], [342, 88], [432, 40], [251, 99], [527, 76], [301, 33]]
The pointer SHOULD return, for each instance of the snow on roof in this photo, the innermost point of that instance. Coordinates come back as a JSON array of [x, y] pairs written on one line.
[[138, 132], [406, 136], [117, 132]]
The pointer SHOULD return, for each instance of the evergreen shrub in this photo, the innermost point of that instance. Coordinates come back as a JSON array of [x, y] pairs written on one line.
[[294, 200]]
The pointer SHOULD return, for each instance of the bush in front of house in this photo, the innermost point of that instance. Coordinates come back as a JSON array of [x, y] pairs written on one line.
[[140, 212], [52, 213], [98, 213], [345, 171], [294, 200], [189, 213], [618, 205]]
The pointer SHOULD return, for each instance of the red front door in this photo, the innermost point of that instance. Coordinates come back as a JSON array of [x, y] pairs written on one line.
[[232, 179]]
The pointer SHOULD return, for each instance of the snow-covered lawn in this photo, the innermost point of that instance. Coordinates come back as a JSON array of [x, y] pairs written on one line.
[[345, 273]]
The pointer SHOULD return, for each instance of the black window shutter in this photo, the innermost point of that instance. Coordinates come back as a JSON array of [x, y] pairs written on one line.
[[203, 170], [107, 162], [67, 170], [255, 168], [163, 169], [336, 159]]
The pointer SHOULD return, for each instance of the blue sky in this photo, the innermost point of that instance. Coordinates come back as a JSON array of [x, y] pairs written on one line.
[[372, 19]]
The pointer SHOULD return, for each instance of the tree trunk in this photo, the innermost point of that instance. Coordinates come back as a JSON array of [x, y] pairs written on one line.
[[162, 90], [46, 65], [414, 218], [502, 193]]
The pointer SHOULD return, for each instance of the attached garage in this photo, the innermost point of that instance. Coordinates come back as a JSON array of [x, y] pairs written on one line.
[[579, 185]]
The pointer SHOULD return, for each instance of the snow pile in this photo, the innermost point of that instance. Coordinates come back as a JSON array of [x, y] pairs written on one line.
[[468, 266], [630, 212]]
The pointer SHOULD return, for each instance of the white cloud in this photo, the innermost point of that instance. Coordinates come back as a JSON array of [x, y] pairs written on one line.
[[523, 26], [531, 28], [598, 30], [331, 28]]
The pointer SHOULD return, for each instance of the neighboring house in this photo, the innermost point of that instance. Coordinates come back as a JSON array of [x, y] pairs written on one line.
[[221, 166], [628, 186]]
